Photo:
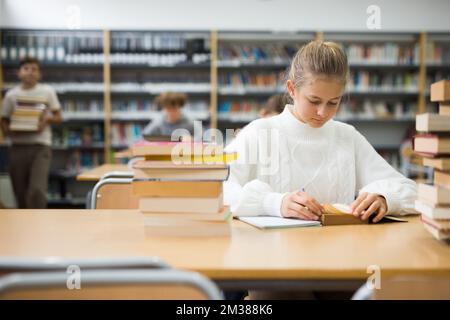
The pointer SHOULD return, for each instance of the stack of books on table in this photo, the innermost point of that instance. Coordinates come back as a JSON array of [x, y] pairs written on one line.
[[180, 188], [27, 114], [433, 143]]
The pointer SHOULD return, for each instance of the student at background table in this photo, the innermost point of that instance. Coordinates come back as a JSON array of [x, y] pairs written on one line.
[[171, 118]]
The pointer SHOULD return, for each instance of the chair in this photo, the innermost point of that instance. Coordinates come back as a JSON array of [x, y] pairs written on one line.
[[13, 264], [114, 193], [163, 284], [407, 288]]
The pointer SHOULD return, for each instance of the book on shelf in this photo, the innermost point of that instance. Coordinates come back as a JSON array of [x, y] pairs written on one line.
[[432, 144], [384, 82], [248, 53], [429, 122], [388, 53], [52, 46]]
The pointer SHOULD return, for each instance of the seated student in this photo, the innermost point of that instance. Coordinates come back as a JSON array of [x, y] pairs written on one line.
[[313, 158], [172, 117], [275, 105]]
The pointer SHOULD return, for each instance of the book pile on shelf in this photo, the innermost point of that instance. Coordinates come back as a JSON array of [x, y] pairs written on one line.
[[433, 142], [388, 53], [186, 192], [375, 81], [274, 53], [27, 114]]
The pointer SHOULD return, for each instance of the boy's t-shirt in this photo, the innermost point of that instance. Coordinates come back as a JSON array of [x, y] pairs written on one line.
[[39, 92]]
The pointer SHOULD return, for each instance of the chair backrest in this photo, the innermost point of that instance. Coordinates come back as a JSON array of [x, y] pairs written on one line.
[[133, 160], [14, 264], [408, 288], [163, 284], [118, 174], [114, 193]]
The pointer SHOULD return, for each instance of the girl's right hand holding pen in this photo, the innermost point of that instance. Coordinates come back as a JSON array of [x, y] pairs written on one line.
[[300, 205]]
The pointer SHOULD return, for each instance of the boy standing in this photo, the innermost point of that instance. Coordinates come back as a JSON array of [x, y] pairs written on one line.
[[30, 150]]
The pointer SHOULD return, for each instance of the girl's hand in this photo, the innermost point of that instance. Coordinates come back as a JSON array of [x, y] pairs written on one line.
[[368, 203], [300, 205]]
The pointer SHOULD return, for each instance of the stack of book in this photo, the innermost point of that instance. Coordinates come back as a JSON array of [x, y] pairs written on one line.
[[180, 188], [27, 114], [433, 143]]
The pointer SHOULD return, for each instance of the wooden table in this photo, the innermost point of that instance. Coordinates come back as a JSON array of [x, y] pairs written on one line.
[[96, 173], [250, 258]]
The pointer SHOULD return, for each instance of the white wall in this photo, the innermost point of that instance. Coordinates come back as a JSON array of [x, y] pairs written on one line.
[[331, 15]]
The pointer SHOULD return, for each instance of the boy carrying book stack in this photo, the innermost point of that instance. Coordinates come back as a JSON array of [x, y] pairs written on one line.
[[433, 142]]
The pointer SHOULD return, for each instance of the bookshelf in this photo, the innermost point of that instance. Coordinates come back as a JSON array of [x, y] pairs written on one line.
[[107, 80], [147, 63]]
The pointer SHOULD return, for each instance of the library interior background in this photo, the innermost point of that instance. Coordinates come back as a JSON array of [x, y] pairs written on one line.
[[109, 60]]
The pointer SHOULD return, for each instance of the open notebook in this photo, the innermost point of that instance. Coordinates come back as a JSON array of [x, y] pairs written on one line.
[[265, 222]]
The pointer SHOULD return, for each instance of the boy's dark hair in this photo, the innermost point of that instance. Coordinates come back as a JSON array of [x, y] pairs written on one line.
[[29, 60]]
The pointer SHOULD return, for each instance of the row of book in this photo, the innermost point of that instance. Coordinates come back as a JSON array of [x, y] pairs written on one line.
[[256, 79], [149, 41], [187, 192], [376, 109], [387, 53], [48, 47], [437, 53], [125, 87], [352, 109], [368, 80], [86, 135], [79, 160], [433, 143], [269, 52], [159, 59], [126, 133]]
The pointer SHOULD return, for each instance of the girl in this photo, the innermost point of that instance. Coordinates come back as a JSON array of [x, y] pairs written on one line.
[[289, 165]]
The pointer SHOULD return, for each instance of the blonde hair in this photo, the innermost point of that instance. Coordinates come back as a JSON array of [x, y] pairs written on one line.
[[318, 59]]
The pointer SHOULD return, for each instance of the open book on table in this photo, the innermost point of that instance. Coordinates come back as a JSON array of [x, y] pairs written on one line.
[[335, 214]]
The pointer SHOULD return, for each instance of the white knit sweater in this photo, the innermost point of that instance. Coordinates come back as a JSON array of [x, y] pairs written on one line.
[[333, 163]]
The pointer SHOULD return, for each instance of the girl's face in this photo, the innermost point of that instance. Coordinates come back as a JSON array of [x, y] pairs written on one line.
[[316, 102]]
